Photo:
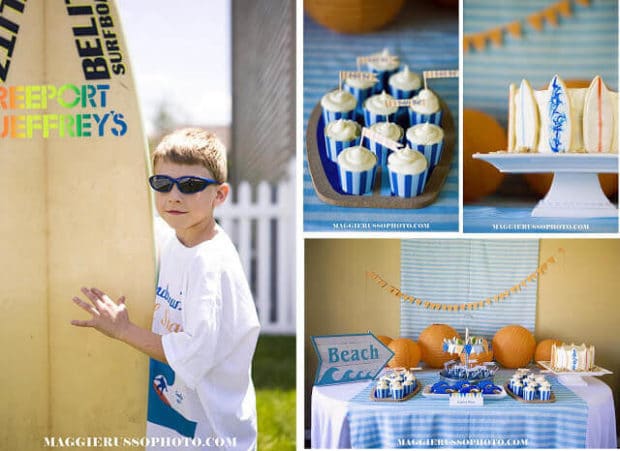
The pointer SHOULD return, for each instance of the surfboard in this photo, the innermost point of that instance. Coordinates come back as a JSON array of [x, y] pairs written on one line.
[[558, 117], [526, 117], [598, 118], [76, 211]]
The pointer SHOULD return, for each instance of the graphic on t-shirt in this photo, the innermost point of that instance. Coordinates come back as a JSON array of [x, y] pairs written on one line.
[[166, 402], [164, 293]]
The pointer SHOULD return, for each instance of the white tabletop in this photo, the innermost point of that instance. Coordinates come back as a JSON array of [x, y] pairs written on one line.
[[330, 427]]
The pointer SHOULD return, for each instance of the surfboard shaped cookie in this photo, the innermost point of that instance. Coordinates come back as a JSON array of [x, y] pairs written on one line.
[[526, 118], [76, 211], [599, 117], [558, 121]]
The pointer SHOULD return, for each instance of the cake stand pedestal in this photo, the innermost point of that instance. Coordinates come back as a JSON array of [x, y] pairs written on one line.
[[575, 191], [573, 378]]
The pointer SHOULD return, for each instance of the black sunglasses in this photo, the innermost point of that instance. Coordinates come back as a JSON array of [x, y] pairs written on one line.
[[188, 184]]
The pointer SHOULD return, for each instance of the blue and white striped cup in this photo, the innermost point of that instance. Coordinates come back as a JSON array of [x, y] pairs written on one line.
[[545, 393], [407, 185], [333, 147], [372, 118], [383, 76], [529, 394], [432, 152], [382, 392], [329, 116], [360, 94], [398, 393], [357, 183], [421, 118]]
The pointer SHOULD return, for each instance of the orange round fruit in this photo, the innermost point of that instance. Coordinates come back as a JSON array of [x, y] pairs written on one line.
[[543, 349]]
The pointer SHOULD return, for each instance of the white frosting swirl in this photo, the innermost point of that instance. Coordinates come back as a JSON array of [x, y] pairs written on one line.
[[425, 134], [429, 102], [343, 130], [357, 159], [407, 161], [384, 65], [338, 100], [406, 80], [388, 129], [377, 104]]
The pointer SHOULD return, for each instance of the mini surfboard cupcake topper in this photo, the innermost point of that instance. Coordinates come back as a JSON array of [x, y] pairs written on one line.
[[526, 122], [598, 117], [558, 116], [382, 58], [448, 73], [379, 138], [356, 75]]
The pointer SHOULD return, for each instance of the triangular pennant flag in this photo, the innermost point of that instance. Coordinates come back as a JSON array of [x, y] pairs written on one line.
[[480, 41], [496, 36], [466, 43], [551, 16], [514, 29], [564, 8], [536, 21]]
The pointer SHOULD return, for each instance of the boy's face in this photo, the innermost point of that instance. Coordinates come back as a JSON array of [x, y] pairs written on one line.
[[190, 215]]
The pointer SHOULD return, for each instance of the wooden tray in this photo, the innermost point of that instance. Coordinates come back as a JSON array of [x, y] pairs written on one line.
[[534, 401], [409, 396], [324, 172]]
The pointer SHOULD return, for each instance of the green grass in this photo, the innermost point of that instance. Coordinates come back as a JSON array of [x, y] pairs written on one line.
[[273, 373]]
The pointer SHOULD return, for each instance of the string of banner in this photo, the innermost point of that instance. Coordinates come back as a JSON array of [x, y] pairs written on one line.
[[478, 41], [499, 297]]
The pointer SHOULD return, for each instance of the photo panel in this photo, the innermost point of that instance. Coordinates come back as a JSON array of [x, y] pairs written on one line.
[[540, 116]]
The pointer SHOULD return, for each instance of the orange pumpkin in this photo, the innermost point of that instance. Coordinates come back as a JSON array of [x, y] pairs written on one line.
[[384, 339], [481, 134], [514, 346], [543, 349], [406, 353], [485, 356], [431, 344]]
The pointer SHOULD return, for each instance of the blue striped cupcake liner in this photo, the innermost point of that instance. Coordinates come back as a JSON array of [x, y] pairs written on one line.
[[383, 76], [403, 94], [333, 147], [379, 150], [382, 393], [371, 118], [545, 395], [398, 393], [329, 116], [419, 118], [432, 152], [407, 185], [357, 183], [360, 94], [529, 395]]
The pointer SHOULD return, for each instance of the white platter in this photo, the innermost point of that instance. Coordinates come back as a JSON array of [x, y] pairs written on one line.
[[596, 371], [426, 392], [575, 192]]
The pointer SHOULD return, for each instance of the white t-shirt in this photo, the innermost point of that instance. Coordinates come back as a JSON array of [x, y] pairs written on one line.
[[205, 313]]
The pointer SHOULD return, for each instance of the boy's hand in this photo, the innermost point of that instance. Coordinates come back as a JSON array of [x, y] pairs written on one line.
[[108, 317]]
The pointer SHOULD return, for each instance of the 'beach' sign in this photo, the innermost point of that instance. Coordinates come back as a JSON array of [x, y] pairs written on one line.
[[349, 358]]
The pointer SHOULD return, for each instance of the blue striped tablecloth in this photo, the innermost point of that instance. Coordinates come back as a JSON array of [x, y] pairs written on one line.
[[426, 40], [518, 219], [423, 422]]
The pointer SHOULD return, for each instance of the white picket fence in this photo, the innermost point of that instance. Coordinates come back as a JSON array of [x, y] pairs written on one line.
[[263, 230]]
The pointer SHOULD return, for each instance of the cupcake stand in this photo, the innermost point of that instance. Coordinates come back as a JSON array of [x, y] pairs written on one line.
[[324, 172], [573, 378], [575, 191]]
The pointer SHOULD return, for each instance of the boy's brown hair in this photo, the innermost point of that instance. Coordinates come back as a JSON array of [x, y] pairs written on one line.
[[194, 146]]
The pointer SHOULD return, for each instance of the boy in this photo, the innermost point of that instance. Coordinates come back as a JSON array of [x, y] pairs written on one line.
[[205, 325]]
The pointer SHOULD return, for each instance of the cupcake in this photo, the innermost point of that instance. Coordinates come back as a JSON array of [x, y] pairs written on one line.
[[544, 391], [357, 167], [338, 104], [376, 109], [339, 135], [408, 172], [408, 387], [382, 390], [529, 393], [425, 108], [390, 130], [517, 388], [428, 139], [360, 89], [398, 392], [384, 68], [404, 84]]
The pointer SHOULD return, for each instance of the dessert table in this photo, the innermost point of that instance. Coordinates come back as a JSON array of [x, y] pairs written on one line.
[[343, 416], [426, 38]]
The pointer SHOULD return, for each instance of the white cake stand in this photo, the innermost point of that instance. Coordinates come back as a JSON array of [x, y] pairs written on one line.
[[573, 377], [575, 191]]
